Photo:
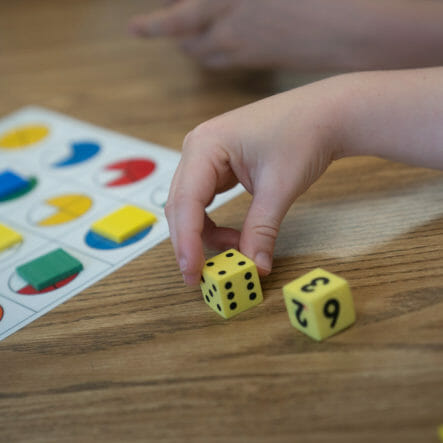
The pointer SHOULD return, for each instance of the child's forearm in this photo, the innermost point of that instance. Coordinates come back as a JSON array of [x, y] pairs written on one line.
[[396, 115]]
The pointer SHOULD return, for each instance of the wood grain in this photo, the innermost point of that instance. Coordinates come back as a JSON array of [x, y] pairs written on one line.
[[140, 357]]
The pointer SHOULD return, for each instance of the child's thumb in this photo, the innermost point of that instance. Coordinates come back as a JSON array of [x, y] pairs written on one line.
[[261, 228]]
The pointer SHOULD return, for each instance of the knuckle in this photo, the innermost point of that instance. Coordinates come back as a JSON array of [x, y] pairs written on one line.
[[181, 196], [197, 137], [174, 201], [265, 230]]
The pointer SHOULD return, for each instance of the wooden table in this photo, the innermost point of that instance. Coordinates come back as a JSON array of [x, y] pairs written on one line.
[[140, 357]]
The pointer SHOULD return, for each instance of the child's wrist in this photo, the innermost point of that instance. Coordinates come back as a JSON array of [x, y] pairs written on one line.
[[337, 106], [349, 112]]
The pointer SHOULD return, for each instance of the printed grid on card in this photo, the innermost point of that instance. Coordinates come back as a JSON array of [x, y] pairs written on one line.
[[77, 173]]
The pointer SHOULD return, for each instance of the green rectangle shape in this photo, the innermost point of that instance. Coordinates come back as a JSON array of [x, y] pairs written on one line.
[[49, 269]]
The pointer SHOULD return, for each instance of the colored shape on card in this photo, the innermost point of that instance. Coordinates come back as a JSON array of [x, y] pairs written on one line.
[[11, 183], [96, 241], [80, 152], [124, 223], [23, 136], [2, 312], [67, 207], [29, 290], [17, 194], [49, 269], [8, 237], [131, 171]]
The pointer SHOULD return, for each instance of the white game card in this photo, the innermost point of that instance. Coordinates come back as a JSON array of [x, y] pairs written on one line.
[[76, 173]]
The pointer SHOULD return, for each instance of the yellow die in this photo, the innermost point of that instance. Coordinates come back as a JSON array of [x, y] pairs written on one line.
[[230, 283], [319, 304]]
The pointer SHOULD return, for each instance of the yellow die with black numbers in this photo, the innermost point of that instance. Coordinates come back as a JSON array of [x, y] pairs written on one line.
[[319, 304], [230, 283]]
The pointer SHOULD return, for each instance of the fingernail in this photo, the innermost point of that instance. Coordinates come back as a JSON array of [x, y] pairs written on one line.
[[263, 261], [191, 279]]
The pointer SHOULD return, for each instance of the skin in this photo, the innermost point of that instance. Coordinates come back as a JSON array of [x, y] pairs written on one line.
[[279, 146], [308, 35]]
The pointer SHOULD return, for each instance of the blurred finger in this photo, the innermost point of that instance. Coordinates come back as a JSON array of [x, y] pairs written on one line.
[[219, 60], [181, 17], [207, 44]]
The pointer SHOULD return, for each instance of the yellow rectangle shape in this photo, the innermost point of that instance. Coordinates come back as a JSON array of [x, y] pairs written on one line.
[[8, 237], [124, 223]]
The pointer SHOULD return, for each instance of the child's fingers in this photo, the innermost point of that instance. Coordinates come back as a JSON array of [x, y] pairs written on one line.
[[206, 52], [198, 46], [193, 188], [187, 221], [262, 224], [219, 238], [180, 18], [169, 210], [219, 60], [215, 39]]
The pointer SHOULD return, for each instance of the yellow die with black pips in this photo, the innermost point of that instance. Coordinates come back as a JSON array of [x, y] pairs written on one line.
[[230, 283], [319, 304]]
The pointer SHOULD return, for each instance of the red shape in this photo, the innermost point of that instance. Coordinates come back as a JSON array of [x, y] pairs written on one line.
[[29, 290], [132, 170], [1, 312]]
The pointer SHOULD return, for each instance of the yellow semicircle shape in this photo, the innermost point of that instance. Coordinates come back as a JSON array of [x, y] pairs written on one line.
[[57, 219], [69, 206], [23, 136]]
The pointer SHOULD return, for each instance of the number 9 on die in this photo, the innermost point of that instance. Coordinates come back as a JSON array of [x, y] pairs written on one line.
[[319, 304]]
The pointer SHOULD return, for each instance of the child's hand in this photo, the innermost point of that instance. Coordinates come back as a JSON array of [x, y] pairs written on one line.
[[249, 33], [279, 146], [302, 34], [276, 148]]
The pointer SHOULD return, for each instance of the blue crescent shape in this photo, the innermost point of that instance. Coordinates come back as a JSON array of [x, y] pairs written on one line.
[[80, 152], [96, 241]]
